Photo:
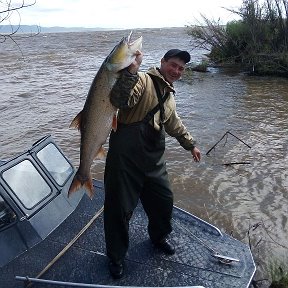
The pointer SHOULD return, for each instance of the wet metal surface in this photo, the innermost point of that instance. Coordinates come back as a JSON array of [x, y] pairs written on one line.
[[86, 262]]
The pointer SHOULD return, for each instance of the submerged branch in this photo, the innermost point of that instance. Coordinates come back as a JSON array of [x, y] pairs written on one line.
[[235, 163], [226, 134]]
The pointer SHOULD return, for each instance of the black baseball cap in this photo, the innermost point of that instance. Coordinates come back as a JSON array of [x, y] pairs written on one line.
[[183, 55]]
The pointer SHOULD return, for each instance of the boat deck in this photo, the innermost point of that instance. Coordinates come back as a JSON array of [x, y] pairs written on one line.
[[86, 262]]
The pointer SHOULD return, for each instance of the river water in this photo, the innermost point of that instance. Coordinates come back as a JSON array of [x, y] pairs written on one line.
[[44, 83]]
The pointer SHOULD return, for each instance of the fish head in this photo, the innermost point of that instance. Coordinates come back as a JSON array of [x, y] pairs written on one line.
[[123, 54]]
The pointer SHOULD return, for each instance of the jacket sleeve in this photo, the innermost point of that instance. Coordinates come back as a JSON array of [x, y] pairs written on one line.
[[123, 90], [175, 128]]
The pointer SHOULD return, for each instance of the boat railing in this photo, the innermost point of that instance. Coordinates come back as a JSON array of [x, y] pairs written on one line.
[[200, 220], [29, 280]]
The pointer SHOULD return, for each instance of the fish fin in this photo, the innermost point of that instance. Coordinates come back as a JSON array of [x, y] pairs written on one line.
[[76, 122], [79, 182], [75, 186], [114, 121], [88, 186], [101, 153]]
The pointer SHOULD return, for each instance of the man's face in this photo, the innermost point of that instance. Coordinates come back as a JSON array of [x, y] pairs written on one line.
[[172, 69]]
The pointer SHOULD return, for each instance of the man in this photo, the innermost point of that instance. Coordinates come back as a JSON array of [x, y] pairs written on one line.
[[135, 167]]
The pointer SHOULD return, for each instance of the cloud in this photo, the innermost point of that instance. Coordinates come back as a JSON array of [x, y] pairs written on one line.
[[124, 13]]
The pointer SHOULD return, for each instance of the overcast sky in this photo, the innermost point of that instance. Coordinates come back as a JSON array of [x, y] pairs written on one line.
[[124, 13]]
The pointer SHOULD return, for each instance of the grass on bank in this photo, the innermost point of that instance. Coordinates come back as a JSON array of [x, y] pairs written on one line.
[[278, 273]]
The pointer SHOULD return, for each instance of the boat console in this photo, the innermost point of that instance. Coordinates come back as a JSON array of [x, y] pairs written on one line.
[[33, 197]]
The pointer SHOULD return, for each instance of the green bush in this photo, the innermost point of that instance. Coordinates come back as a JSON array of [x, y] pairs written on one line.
[[259, 40]]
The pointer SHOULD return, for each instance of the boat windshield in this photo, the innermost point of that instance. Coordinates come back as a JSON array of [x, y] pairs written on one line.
[[7, 216], [27, 183], [56, 164]]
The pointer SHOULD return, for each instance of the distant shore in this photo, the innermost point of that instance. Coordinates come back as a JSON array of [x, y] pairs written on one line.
[[7, 29]]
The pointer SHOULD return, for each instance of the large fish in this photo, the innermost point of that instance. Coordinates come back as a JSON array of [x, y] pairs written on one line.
[[98, 115]]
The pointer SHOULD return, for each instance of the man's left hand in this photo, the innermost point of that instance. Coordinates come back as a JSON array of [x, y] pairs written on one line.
[[196, 154]]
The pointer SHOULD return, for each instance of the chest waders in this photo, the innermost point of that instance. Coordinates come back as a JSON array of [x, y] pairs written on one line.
[[135, 168]]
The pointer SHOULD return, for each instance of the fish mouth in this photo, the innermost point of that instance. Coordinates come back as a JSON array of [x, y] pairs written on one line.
[[124, 53], [136, 44]]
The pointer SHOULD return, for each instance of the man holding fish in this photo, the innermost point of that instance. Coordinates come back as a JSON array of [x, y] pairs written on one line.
[[135, 167]]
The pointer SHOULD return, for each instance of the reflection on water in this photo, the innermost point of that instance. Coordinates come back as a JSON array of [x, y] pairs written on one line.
[[42, 91]]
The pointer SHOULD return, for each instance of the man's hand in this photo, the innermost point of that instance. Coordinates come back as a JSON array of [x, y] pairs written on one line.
[[134, 66], [196, 154]]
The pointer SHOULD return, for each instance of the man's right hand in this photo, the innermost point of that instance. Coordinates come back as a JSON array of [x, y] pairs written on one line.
[[134, 66]]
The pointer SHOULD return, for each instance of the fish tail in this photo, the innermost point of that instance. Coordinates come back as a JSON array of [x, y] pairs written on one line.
[[78, 182]]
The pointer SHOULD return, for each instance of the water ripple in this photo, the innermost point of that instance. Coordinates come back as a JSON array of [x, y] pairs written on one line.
[[43, 90]]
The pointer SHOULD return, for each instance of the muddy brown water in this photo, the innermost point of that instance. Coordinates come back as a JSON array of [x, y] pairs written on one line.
[[44, 86]]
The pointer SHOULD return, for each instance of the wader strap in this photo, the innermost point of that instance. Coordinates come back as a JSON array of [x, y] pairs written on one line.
[[159, 106]]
